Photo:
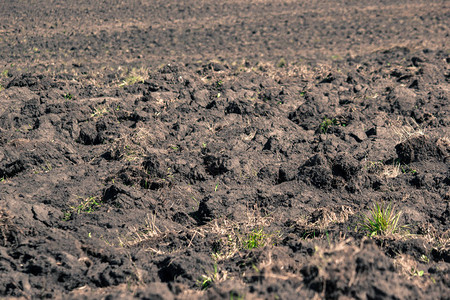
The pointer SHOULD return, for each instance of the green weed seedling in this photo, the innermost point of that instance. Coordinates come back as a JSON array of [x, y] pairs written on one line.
[[99, 111], [205, 281], [88, 205], [216, 187], [415, 272], [406, 169], [147, 184], [68, 96], [424, 259], [336, 57], [281, 63], [326, 123], [255, 239], [381, 220]]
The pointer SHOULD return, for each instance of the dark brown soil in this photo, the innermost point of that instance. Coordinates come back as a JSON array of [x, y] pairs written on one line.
[[223, 149]]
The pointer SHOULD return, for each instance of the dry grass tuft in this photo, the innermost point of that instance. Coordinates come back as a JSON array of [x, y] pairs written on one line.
[[391, 171], [235, 236], [133, 76], [438, 239], [141, 234], [407, 131], [322, 218]]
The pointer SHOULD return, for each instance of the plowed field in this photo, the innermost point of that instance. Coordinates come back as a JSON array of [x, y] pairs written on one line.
[[225, 149]]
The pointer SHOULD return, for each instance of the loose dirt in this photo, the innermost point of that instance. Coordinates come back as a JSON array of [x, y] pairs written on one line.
[[224, 149]]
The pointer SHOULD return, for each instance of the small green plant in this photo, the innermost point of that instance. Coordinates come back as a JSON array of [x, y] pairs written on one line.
[[99, 111], [415, 272], [205, 281], [382, 219], [147, 184], [406, 169], [216, 187], [257, 238], [282, 63], [5, 73], [1, 88], [240, 239], [68, 96], [87, 205], [424, 258], [336, 57], [326, 123], [169, 173]]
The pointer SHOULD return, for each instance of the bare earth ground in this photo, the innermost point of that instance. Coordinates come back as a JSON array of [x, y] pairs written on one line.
[[224, 149]]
